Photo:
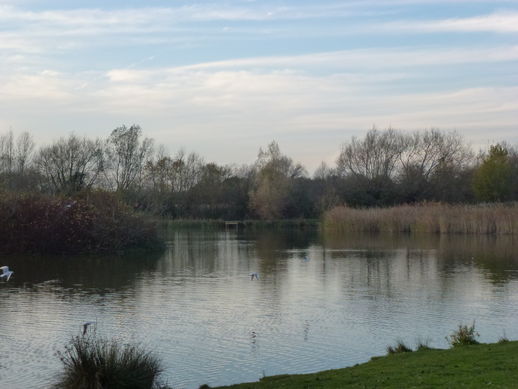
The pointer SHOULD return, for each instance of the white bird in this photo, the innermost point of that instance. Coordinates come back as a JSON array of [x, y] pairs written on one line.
[[6, 273], [252, 275], [86, 325]]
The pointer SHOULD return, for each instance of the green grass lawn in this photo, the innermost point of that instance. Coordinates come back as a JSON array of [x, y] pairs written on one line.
[[477, 366]]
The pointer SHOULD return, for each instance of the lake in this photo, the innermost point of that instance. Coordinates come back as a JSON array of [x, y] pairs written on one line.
[[321, 301]]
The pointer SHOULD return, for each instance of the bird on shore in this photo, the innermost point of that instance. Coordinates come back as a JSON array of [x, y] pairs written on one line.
[[6, 273], [254, 275]]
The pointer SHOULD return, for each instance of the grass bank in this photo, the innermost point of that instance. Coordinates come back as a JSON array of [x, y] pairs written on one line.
[[497, 219], [476, 366]]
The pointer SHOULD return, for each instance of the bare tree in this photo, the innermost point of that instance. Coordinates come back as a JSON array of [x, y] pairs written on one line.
[[175, 175], [185, 171], [23, 152], [71, 164], [424, 152], [127, 155], [375, 156], [323, 172], [7, 153]]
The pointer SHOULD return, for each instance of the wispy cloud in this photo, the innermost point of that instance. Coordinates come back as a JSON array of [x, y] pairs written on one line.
[[500, 22], [30, 31], [197, 106], [199, 12], [371, 58]]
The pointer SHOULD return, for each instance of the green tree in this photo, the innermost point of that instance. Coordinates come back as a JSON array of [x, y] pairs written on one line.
[[492, 179]]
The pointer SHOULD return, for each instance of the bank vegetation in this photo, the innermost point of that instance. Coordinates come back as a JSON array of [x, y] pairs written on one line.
[[426, 217], [384, 168], [96, 222]]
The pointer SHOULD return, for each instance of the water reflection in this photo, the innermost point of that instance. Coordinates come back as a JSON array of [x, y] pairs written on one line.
[[321, 301], [90, 273]]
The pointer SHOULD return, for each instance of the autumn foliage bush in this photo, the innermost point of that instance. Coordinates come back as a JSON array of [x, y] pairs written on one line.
[[96, 222]]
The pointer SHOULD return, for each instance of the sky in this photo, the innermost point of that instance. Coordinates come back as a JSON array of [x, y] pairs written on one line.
[[223, 78]]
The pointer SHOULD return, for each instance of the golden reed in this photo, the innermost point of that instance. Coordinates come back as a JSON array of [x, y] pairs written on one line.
[[426, 217]]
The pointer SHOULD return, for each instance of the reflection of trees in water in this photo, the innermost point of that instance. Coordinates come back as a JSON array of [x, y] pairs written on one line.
[[193, 253], [497, 256], [273, 245], [95, 274], [202, 252], [372, 261], [379, 241]]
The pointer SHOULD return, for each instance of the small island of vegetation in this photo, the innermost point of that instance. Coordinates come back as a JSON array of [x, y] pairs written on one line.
[[97, 222]]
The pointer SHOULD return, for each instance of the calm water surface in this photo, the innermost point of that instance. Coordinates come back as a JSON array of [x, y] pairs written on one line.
[[197, 308]]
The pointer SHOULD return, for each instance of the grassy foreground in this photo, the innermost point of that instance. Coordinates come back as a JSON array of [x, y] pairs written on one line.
[[477, 366]]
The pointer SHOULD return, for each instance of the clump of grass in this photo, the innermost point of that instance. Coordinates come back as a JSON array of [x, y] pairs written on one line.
[[95, 363], [423, 344], [503, 339], [463, 336], [400, 347]]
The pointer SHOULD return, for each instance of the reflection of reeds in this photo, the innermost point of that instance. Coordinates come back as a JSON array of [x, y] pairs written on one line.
[[427, 217]]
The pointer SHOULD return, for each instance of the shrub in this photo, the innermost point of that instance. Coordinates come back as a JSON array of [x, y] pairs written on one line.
[[96, 223], [95, 363], [400, 347], [464, 335]]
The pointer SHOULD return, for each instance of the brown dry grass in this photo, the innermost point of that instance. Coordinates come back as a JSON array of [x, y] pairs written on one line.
[[498, 219]]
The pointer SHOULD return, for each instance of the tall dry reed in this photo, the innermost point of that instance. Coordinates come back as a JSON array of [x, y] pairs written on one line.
[[498, 219]]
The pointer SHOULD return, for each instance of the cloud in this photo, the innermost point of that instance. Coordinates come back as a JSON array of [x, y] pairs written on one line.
[[63, 30], [209, 109], [371, 58], [289, 99], [499, 22], [288, 81], [149, 16], [48, 85]]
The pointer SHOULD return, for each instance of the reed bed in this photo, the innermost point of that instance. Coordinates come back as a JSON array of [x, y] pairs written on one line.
[[487, 219]]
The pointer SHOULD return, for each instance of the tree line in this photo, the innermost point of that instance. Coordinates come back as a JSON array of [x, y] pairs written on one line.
[[383, 168]]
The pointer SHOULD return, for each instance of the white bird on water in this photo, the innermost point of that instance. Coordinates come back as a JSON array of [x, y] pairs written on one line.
[[254, 275], [6, 273]]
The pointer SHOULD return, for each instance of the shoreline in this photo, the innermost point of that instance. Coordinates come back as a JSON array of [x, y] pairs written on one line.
[[474, 366]]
